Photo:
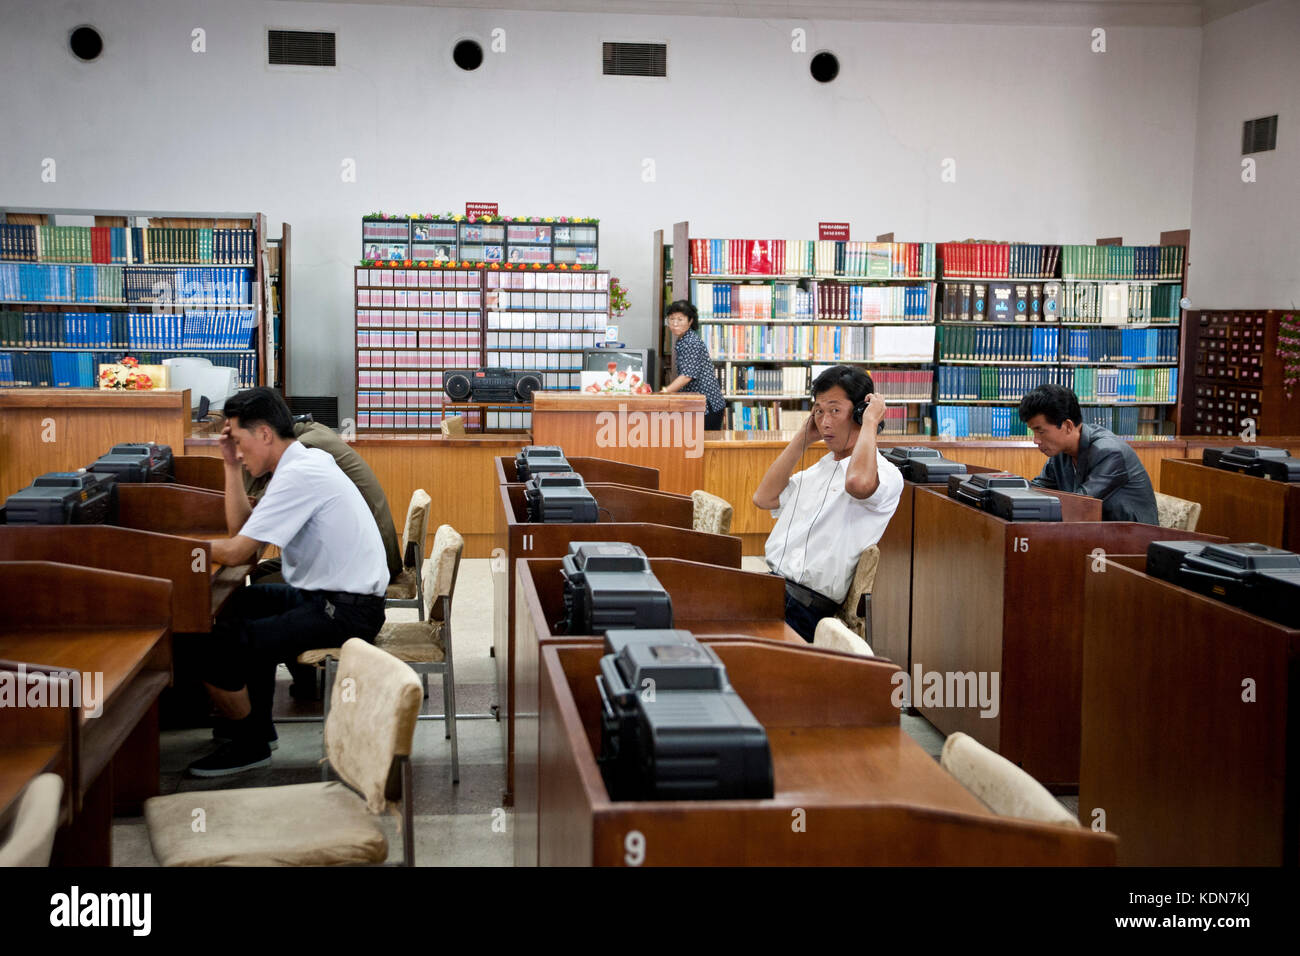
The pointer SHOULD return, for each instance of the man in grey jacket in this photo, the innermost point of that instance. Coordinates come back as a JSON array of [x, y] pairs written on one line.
[[1087, 459]]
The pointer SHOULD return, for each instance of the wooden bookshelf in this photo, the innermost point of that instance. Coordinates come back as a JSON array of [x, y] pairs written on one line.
[[277, 288], [1111, 303], [87, 274], [448, 319], [809, 304]]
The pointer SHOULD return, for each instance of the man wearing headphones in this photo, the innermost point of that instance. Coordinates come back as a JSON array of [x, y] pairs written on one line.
[[851, 494]]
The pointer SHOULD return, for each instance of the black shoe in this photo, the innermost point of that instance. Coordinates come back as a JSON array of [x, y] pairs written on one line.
[[234, 757], [223, 732]]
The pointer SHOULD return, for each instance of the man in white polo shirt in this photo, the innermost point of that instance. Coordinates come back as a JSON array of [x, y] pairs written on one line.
[[832, 512], [333, 562]]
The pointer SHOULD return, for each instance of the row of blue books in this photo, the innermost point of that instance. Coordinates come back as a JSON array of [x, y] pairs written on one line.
[[1121, 345], [975, 343], [79, 369], [998, 382], [979, 421], [1120, 421], [195, 329], [201, 285]]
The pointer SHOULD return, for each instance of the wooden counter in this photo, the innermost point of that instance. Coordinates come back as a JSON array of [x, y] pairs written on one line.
[[63, 429], [658, 431], [1241, 507]]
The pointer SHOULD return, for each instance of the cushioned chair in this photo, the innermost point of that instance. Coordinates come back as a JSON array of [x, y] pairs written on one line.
[[1002, 786], [453, 426], [31, 837], [1177, 512], [406, 590], [710, 513], [856, 609], [832, 633], [424, 645], [368, 737]]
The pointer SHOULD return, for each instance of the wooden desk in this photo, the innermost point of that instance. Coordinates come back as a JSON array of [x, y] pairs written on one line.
[[103, 623], [1187, 772], [199, 586], [891, 593], [1240, 507], [37, 740], [592, 470], [706, 601], [869, 794], [63, 429], [199, 471], [659, 431], [657, 523], [1003, 598]]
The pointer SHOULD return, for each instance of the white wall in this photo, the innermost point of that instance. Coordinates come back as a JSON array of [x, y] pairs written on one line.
[[1245, 250], [1052, 142]]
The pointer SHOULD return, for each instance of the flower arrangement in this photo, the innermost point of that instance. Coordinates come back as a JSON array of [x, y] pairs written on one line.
[[1288, 350], [618, 303], [126, 375]]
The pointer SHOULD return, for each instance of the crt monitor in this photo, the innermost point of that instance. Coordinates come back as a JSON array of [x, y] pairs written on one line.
[[618, 370], [204, 380]]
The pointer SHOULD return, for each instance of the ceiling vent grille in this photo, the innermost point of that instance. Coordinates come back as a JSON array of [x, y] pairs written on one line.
[[1259, 135], [299, 48], [635, 59]]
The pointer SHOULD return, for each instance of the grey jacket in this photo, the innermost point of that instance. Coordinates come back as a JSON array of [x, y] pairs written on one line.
[[1108, 469]]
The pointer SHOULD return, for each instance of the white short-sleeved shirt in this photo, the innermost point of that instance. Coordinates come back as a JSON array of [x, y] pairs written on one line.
[[822, 530], [318, 519]]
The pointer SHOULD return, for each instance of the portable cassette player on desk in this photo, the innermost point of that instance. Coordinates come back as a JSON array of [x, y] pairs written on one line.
[[64, 497], [137, 462], [492, 385], [538, 459], [1005, 495], [1257, 578], [672, 727], [923, 465], [1257, 460], [609, 584], [559, 498]]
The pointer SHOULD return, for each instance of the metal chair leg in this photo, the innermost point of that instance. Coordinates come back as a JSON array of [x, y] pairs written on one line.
[[331, 669], [449, 690]]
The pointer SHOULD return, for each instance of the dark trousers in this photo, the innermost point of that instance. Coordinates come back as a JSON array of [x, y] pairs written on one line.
[[713, 420], [267, 624], [802, 619]]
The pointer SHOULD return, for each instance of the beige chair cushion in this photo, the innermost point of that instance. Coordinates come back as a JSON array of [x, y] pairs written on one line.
[[373, 709], [417, 520], [454, 426], [832, 633], [710, 513], [308, 824], [416, 642], [440, 570], [318, 655], [31, 836], [1003, 787], [403, 589], [864, 579], [1177, 513]]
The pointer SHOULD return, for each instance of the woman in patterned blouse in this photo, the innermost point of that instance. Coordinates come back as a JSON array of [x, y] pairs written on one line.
[[695, 371]]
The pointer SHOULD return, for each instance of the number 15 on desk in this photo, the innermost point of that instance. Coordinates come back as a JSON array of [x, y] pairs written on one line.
[[1019, 544]]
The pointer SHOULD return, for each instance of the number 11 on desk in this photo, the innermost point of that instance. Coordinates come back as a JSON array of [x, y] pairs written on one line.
[[1019, 544]]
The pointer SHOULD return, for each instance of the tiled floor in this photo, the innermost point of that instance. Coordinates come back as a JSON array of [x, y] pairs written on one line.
[[461, 825]]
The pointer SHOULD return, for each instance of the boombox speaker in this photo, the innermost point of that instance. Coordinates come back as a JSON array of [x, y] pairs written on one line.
[[492, 385]]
